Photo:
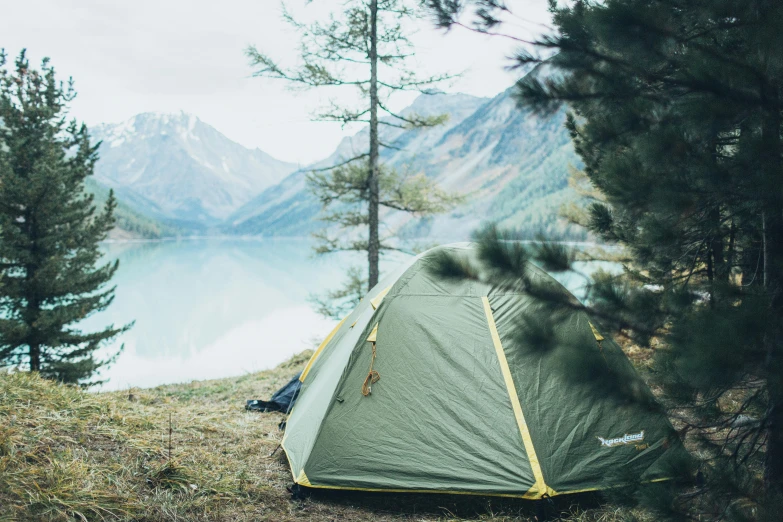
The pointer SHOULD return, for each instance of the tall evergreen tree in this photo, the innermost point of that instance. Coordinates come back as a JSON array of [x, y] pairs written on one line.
[[676, 113], [366, 48], [344, 194], [50, 278]]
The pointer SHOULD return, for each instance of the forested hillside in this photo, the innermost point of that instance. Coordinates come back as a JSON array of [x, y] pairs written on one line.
[[130, 223]]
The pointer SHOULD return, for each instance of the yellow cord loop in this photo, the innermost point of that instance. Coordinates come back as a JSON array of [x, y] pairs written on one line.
[[372, 376]]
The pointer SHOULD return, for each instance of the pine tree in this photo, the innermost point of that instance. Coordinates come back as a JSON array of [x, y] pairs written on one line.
[[676, 113], [344, 193], [368, 49], [50, 278]]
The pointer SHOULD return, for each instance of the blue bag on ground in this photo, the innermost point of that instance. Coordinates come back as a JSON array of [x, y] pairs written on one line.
[[283, 399]]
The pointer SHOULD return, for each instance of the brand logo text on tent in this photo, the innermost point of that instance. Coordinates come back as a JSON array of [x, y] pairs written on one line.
[[628, 438]]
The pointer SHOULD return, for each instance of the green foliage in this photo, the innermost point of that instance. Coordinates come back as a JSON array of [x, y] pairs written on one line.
[[344, 191], [366, 47], [338, 303], [676, 113], [50, 278], [337, 52], [554, 256], [504, 262]]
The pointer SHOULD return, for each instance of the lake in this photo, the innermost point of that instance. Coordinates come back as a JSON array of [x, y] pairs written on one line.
[[211, 308]]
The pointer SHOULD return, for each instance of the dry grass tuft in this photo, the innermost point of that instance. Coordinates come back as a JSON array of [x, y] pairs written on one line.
[[66, 454]]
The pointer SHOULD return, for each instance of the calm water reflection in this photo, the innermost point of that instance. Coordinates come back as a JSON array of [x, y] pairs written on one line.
[[213, 308]]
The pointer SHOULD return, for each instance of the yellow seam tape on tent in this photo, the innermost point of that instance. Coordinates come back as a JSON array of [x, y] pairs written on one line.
[[373, 334], [320, 348], [288, 458], [434, 491], [540, 488], [302, 479], [376, 301], [598, 336]]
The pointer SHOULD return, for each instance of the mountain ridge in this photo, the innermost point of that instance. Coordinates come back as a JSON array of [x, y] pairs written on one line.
[[512, 165], [174, 167], [288, 208]]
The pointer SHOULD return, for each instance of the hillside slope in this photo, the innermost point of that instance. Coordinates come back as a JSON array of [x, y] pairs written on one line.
[[511, 165], [131, 224], [289, 209]]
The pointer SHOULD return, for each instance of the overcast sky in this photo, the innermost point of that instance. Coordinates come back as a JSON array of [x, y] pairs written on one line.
[[128, 57]]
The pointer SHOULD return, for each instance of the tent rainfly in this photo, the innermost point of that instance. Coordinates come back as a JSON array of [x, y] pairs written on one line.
[[425, 388]]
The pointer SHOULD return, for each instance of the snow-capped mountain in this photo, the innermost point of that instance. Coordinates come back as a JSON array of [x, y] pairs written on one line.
[[511, 165], [177, 168]]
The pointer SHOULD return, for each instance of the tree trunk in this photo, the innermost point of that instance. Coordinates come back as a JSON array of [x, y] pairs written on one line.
[[720, 272], [31, 318], [35, 357], [716, 266], [373, 243], [33, 310], [773, 282], [731, 254]]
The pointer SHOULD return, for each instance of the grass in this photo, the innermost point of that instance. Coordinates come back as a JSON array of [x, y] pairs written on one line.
[[66, 454]]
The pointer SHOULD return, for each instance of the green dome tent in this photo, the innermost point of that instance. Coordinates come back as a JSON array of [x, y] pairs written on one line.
[[425, 388]]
